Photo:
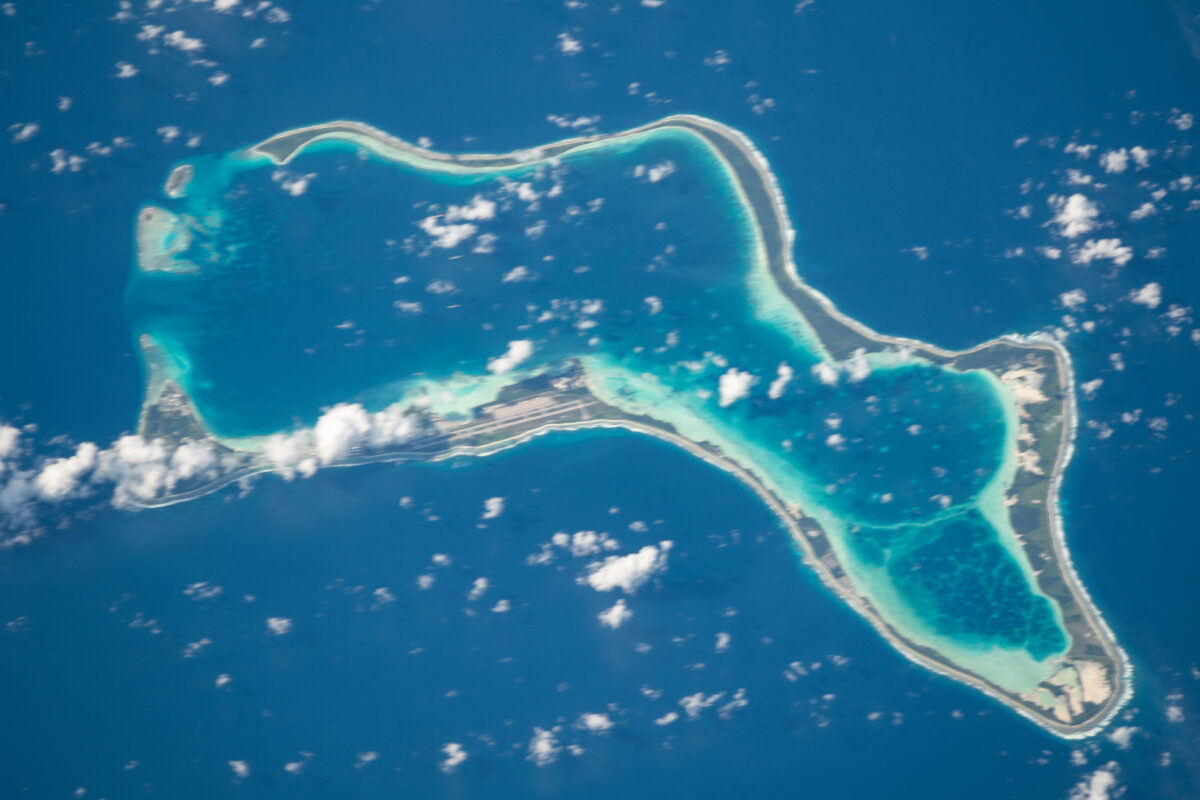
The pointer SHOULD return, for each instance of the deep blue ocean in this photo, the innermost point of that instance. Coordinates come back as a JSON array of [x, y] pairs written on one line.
[[892, 132]]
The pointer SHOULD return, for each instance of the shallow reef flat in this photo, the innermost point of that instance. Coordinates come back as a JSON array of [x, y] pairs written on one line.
[[334, 295]]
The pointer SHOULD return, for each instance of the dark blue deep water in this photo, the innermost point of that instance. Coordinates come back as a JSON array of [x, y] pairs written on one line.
[[890, 128]]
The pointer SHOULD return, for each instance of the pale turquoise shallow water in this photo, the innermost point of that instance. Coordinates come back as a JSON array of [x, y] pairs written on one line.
[[645, 268]]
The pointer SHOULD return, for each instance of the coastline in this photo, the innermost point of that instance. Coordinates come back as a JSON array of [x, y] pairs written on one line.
[[780, 264]]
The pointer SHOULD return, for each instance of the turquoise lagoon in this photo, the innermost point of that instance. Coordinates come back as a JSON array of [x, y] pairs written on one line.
[[345, 276]]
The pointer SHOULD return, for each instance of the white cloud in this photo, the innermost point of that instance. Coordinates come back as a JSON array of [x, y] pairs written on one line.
[[1115, 161], [596, 723], [543, 747], [137, 467], [240, 769], [455, 755], [568, 46], [441, 286], [733, 385], [338, 430], [1073, 299], [1122, 736], [695, 703], [181, 41], [1074, 215], [1149, 295], [777, 387], [655, 304], [447, 236], [59, 478], [656, 173], [1141, 156], [293, 184], [722, 643], [826, 373], [1181, 121], [193, 459], [616, 616], [1141, 212], [718, 60], [518, 351], [278, 626], [1097, 786], [24, 131], [630, 571], [477, 589], [477, 210], [1111, 249], [1089, 388], [9, 439], [126, 70], [667, 719], [493, 507], [516, 275], [501, 607]]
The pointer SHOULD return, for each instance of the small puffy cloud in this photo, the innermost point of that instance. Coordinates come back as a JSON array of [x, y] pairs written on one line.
[[779, 385], [1100, 785], [722, 643], [544, 748], [478, 209], [1141, 156], [1115, 161], [595, 722], [1146, 209], [1110, 249], [516, 275], [240, 769], [447, 236], [60, 478], [1073, 299], [278, 626], [455, 755], [1122, 736], [718, 60], [1089, 388], [825, 373], [477, 589], [10, 437], [655, 173], [338, 430], [1149, 295], [24, 131], [125, 70], [518, 351], [630, 571], [1074, 215], [181, 41], [568, 45], [733, 385], [1182, 121], [293, 184], [493, 507], [502, 607], [616, 616], [441, 286], [695, 703]]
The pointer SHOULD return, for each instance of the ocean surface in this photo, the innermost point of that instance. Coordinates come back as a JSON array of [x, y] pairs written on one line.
[[893, 133]]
